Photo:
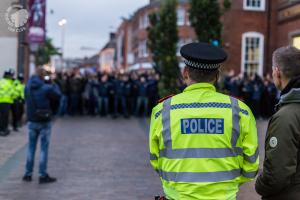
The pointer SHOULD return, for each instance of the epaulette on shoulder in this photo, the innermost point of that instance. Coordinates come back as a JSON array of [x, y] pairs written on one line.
[[165, 98]]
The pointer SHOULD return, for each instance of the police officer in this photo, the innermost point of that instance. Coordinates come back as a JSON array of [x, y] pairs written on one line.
[[6, 100], [203, 144], [18, 104]]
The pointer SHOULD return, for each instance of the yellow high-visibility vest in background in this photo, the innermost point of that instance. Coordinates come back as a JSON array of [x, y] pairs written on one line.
[[19, 90], [6, 91], [203, 144]]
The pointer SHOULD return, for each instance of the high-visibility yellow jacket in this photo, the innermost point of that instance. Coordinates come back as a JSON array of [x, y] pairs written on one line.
[[6, 91], [203, 144], [19, 90]]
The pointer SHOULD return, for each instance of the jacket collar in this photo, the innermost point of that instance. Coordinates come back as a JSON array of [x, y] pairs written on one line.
[[200, 86], [293, 96]]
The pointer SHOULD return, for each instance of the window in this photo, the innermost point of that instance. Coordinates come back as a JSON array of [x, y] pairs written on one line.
[[252, 53], [296, 41], [144, 21], [179, 45], [180, 17], [255, 5], [143, 49]]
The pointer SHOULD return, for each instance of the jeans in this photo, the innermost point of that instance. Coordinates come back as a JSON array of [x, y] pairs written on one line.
[[142, 101], [36, 131], [103, 104], [123, 101]]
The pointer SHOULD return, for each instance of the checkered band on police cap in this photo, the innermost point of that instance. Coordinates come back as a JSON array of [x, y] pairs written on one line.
[[201, 65], [203, 56]]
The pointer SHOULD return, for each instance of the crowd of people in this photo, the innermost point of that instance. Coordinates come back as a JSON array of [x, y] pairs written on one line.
[[127, 94], [115, 94], [136, 93], [259, 93]]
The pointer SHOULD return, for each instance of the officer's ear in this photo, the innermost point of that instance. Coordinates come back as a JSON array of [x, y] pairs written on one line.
[[218, 75], [186, 74]]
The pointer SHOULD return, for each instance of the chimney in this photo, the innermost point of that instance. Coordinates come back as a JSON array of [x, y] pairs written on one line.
[[112, 36]]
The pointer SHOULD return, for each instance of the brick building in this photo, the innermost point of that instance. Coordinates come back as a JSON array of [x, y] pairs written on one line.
[[107, 55], [252, 30], [132, 51]]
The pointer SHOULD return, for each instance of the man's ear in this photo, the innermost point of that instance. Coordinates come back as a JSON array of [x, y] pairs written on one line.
[[218, 76], [185, 73], [278, 73]]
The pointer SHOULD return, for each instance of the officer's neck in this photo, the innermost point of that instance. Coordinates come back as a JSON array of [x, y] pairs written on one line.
[[191, 82]]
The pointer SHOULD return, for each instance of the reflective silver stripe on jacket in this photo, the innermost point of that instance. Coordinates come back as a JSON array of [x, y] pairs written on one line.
[[168, 152], [235, 121], [204, 177], [234, 151], [166, 123], [253, 158], [199, 177], [153, 157], [201, 153]]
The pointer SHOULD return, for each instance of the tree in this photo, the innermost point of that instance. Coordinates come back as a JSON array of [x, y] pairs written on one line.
[[44, 53], [205, 17], [163, 39], [154, 40]]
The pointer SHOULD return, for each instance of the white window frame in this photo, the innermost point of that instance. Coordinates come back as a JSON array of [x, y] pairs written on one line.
[[180, 43], [261, 50], [144, 21], [180, 16], [251, 8], [143, 49]]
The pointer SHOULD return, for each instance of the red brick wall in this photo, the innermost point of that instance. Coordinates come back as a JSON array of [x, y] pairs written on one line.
[[237, 21]]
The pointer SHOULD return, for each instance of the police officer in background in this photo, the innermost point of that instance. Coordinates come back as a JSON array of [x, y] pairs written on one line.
[[203, 144], [19, 100], [6, 100]]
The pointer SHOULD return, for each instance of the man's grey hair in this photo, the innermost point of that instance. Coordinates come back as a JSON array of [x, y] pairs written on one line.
[[287, 59]]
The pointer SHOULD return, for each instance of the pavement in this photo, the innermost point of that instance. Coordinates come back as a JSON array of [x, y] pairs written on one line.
[[93, 159]]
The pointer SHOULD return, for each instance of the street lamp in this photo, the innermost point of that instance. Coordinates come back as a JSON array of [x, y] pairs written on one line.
[[62, 23]]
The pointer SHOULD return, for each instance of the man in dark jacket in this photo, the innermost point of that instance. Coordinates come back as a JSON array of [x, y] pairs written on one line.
[[280, 178], [39, 96]]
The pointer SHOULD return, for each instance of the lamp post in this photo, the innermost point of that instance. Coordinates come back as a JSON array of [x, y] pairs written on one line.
[[62, 23]]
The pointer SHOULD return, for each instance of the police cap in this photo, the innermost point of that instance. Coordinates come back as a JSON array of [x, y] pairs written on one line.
[[20, 76], [203, 56], [9, 72]]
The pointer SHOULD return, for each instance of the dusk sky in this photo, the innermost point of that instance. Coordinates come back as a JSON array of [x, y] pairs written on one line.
[[89, 22]]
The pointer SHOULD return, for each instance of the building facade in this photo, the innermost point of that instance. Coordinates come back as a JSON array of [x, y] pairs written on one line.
[[108, 55], [132, 36], [252, 30], [8, 41]]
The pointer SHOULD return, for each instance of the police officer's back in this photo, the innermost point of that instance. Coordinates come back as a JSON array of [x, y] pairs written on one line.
[[6, 100], [19, 100], [203, 144]]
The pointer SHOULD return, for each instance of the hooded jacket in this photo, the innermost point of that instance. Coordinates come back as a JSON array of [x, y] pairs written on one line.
[[280, 178], [40, 95]]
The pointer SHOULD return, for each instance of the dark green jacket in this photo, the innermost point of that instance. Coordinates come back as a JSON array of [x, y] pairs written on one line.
[[280, 178]]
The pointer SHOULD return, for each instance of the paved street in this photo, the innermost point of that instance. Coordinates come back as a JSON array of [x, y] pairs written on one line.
[[93, 159]]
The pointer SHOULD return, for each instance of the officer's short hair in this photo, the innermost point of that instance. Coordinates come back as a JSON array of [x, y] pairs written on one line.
[[201, 76], [288, 60]]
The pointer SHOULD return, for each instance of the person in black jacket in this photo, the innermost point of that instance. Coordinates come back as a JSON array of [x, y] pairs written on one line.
[[39, 97], [120, 97], [104, 89], [142, 100]]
